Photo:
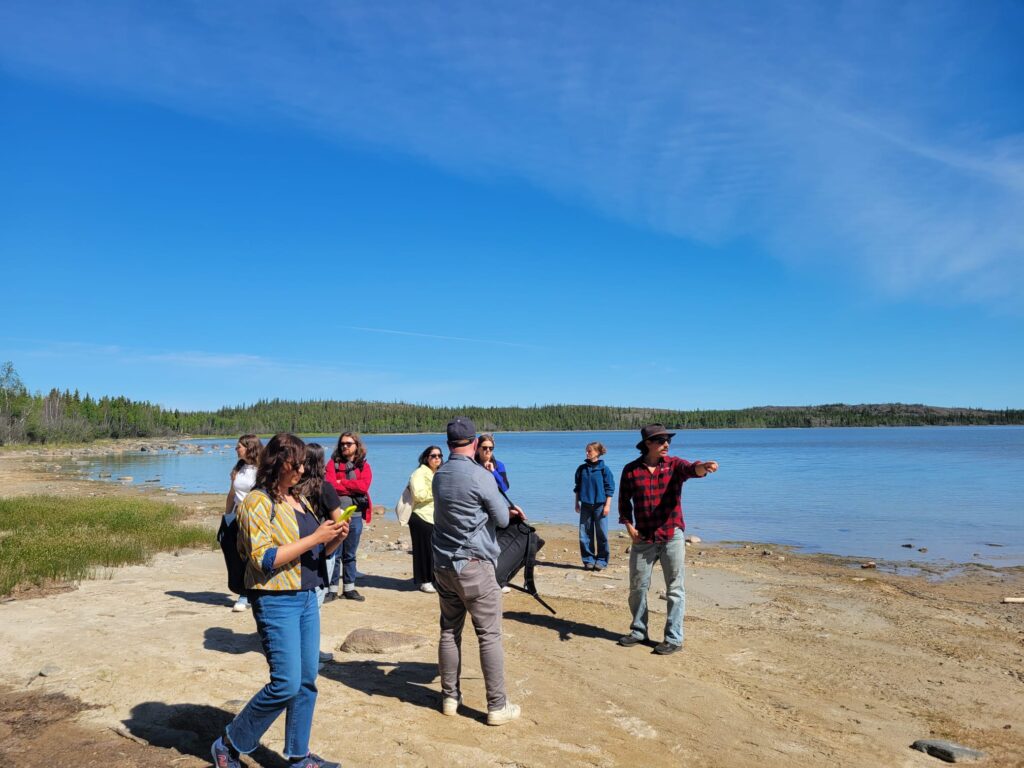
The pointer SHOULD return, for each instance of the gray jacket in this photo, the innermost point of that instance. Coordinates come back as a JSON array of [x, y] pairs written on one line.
[[468, 508]]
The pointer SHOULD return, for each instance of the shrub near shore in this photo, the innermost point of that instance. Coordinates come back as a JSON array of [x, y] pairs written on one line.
[[53, 538]]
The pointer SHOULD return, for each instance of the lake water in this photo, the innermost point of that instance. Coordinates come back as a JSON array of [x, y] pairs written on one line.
[[958, 491]]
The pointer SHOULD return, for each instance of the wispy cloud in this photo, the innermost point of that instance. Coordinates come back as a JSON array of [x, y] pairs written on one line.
[[858, 135]]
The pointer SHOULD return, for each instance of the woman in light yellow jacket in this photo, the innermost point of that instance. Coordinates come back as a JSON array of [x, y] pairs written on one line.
[[421, 522]]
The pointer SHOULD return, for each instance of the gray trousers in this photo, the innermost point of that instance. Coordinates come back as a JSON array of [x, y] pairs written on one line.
[[474, 590]]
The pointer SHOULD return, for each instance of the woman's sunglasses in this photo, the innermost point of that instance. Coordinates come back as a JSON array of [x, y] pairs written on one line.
[[434, 456]]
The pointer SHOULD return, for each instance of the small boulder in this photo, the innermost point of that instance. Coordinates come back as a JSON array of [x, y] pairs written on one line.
[[947, 750], [693, 539], [365, 640], [869, 564]]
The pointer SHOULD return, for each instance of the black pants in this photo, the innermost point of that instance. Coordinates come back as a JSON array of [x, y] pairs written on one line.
[[422, 550]]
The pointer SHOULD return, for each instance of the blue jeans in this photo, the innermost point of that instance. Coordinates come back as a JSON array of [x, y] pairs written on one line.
[[289, 628], [642, 556], [345, 566], [593, 525]]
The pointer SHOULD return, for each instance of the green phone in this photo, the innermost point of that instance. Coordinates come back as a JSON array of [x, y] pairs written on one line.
[[346, 513]]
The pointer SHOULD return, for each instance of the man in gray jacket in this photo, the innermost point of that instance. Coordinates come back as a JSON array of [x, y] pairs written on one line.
[[468, 508]]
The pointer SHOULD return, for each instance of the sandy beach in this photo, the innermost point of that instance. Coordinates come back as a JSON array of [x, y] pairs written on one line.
[[789, 660]]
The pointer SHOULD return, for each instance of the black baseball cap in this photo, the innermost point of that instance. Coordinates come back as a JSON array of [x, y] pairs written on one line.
[[461, 431]]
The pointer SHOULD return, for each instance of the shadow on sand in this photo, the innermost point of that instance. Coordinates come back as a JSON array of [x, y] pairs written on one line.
[[227, 640], [206, 598], [385, 582], [565, 628], [405, 681], [190, 729]]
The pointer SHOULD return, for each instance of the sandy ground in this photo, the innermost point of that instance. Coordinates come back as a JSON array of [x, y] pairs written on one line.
[[789, 660]]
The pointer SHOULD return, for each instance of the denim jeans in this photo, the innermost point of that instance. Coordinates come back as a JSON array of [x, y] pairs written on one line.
[[593, 534], [289, 628], [345, 565], [642, 556]]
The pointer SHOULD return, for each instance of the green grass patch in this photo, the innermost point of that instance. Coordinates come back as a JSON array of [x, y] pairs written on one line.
[[45, 538]]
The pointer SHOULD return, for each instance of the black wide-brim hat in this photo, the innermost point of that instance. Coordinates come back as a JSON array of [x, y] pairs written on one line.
[[652, 430]]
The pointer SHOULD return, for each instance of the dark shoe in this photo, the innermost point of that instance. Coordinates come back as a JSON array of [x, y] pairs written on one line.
[[588, 566], [351, 594], [666, 649], [331, 597], [222, 757], [598, 567], [314, 761], [628, 641]]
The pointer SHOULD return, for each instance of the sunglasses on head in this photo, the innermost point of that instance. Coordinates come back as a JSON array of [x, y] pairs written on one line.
[[660, 440]]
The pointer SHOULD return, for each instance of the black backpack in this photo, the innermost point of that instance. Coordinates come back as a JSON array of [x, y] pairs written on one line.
[[519, 544], [227, 536]]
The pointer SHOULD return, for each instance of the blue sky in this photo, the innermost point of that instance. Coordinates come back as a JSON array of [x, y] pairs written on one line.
[[686, 205]]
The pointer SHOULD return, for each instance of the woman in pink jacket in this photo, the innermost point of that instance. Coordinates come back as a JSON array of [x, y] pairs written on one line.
[[350, 474]]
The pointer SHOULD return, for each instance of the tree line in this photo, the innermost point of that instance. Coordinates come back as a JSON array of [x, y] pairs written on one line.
[[64, 416]]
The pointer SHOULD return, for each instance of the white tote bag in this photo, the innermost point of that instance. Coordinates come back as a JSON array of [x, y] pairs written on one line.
[[403, 507]]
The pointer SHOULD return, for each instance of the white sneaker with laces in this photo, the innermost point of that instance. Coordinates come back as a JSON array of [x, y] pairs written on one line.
[[506, 714], [427, 587]]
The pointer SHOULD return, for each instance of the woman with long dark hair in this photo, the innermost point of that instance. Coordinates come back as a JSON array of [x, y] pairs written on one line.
[[283, 545], [350, 474], [421, 522], [243, 478]]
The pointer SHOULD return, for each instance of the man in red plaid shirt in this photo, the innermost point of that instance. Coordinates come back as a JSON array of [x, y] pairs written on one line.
[[650, 506]]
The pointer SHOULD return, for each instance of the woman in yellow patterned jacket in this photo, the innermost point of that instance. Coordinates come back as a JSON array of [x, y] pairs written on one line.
[[285, 549]]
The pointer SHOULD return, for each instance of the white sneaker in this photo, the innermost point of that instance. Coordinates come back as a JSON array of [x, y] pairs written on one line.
[[506, 714], [427, 587], [240, 606], [506, 590], [450, 706]]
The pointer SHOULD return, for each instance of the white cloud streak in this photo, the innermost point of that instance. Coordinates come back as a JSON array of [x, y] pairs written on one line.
[[818, 132]]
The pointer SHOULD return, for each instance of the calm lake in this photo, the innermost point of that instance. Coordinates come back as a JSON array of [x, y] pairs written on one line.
[[958, 491]]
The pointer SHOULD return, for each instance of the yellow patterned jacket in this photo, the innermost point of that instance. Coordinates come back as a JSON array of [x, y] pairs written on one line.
[[263, 526]]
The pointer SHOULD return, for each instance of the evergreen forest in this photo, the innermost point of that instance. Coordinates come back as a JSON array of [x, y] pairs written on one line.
[[64, 416]]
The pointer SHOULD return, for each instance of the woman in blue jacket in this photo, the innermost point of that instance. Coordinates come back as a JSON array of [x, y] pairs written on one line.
[[594, 489], [485, 458]]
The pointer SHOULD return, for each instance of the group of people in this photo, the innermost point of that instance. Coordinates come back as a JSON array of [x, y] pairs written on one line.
[[291, 525], [421, 521]]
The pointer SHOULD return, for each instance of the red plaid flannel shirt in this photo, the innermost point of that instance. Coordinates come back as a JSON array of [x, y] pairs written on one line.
[[652, 501]]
